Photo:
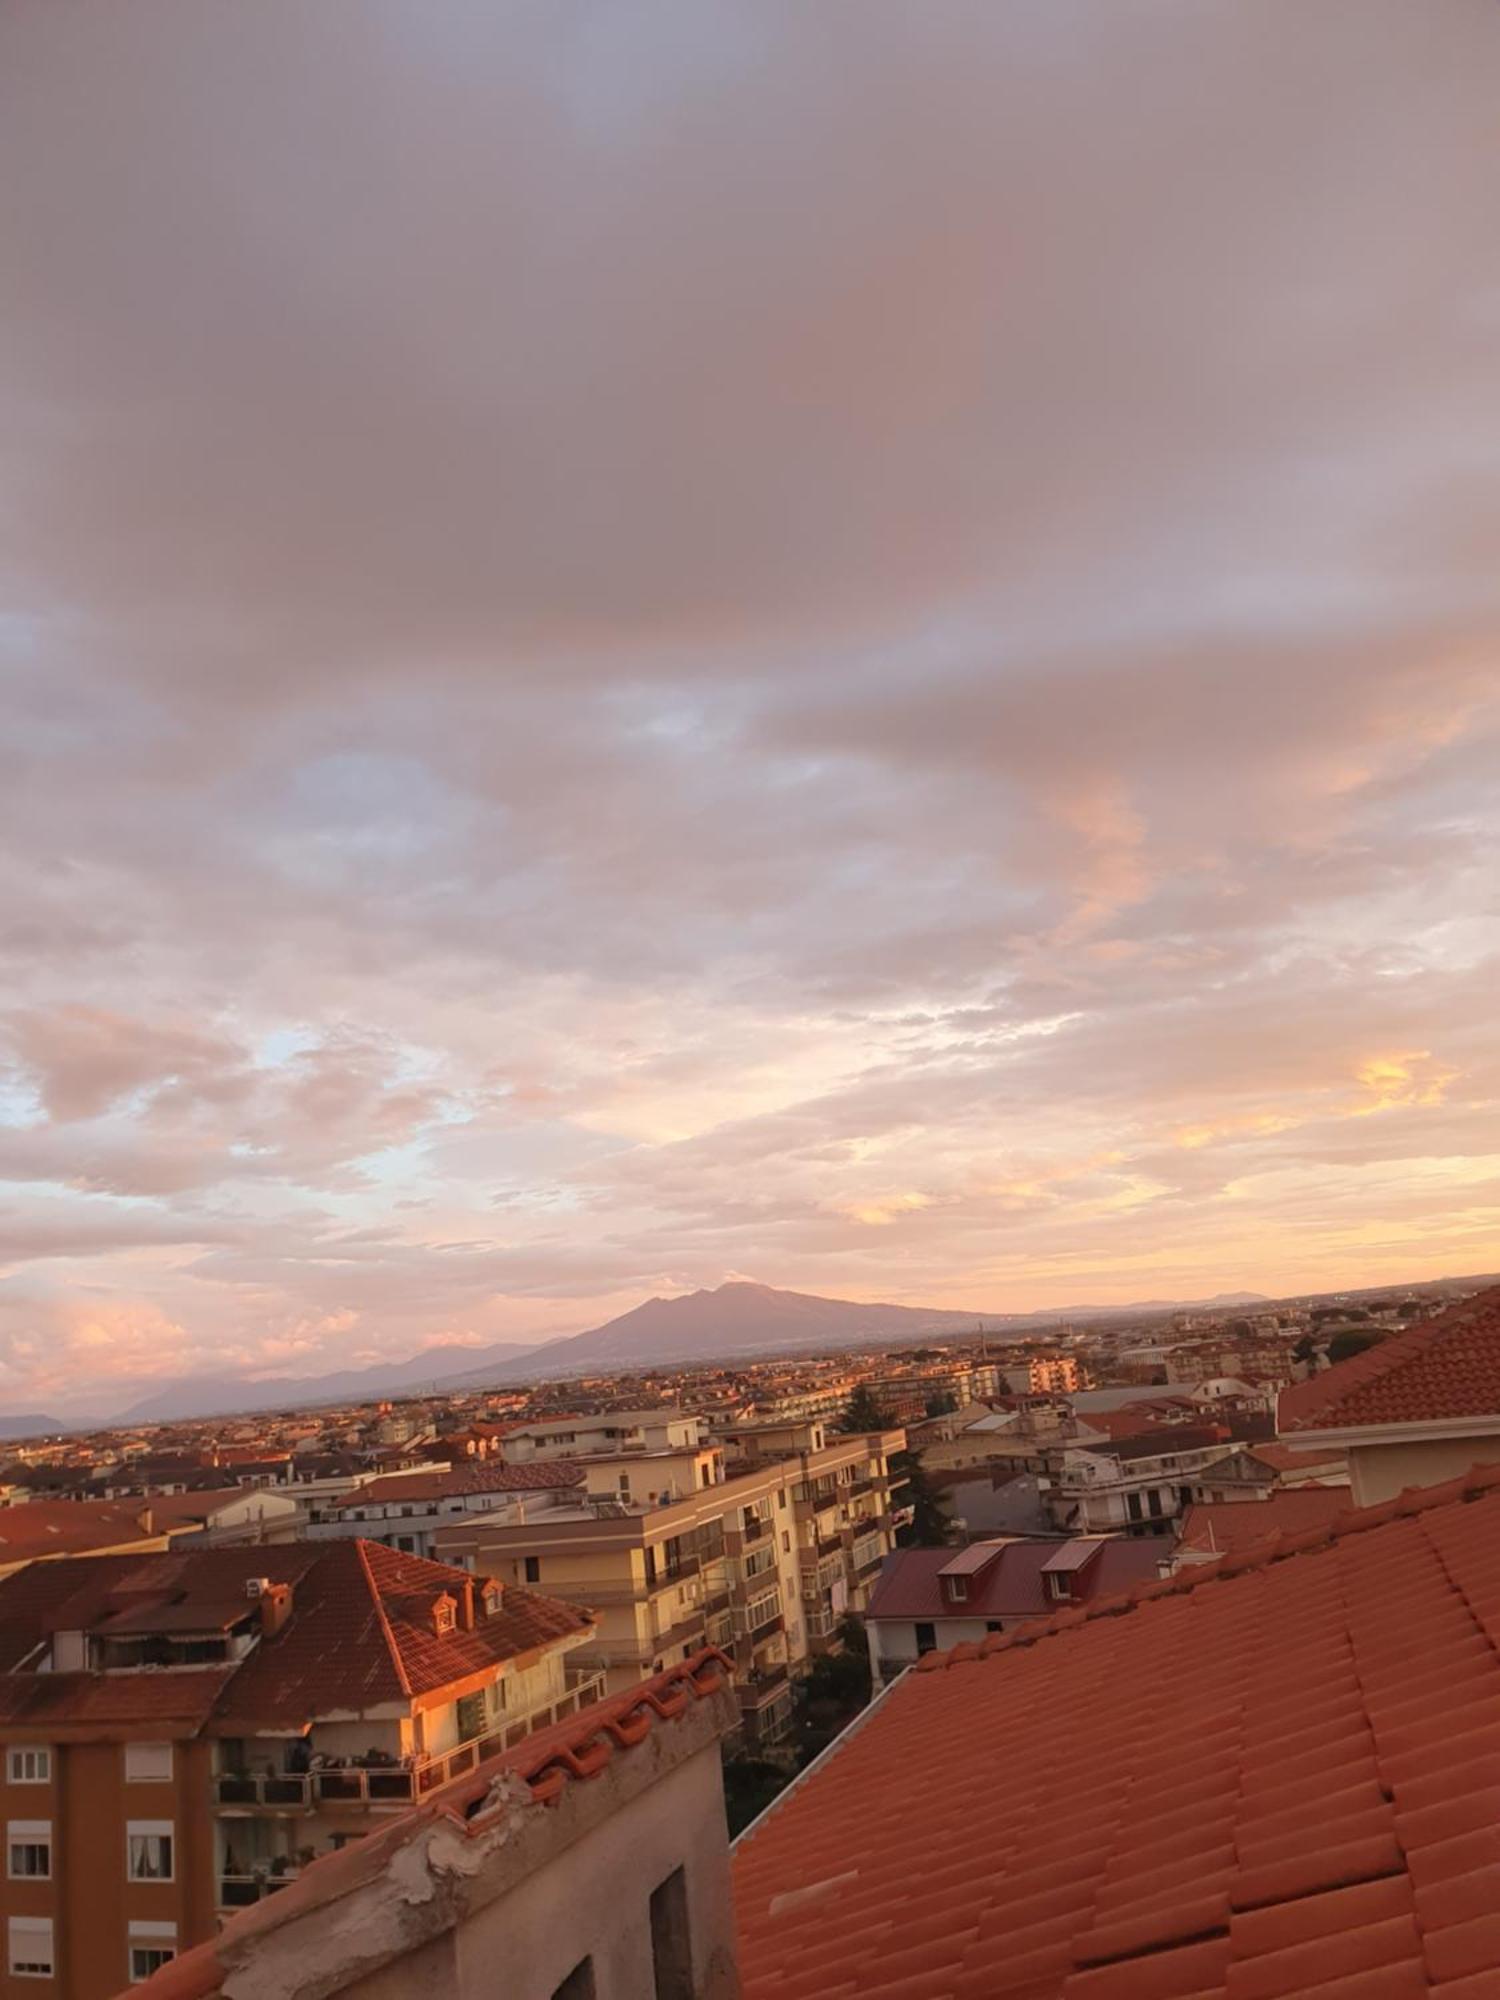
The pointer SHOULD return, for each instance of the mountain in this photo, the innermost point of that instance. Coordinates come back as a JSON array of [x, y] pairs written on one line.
[[30, 1426], [230, 1395], [735, 1319]]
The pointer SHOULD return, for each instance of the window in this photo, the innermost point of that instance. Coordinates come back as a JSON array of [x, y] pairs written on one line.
[[28, 1846], [30, 1941], [151, 1946], [781, 1499], [148, 1847], [926, 1636], [30, 1764], [442, 1615], [958, 1589], [534, 1575], [148, 1763], [671, 1942], [786, 1542], [579, 1984]]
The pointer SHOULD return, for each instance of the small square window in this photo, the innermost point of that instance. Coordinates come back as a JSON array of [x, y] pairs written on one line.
[[149, 1850], [148, 1763], [29, 1940], [152, 1946], [28, 1850]]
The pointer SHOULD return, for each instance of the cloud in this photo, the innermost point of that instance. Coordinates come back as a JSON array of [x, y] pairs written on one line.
[[857, 644]]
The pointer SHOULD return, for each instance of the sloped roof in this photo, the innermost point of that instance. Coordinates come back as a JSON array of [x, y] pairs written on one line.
[[360, 1633], [1446, 1368], [1225, 1527], [1010, 1586], [1009, 1822], [59, 1527]]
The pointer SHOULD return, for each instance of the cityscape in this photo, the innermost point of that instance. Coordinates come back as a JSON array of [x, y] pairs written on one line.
[[749, 950]]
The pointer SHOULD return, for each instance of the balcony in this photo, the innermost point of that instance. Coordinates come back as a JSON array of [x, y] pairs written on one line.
[[236, 1892], [398, 1783], [754, 1527], [755, 1690]]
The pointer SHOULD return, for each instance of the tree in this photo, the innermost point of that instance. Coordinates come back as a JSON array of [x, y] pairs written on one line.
[[1349, 1341], [929, 1526], [943, 1404], [863, 1413]]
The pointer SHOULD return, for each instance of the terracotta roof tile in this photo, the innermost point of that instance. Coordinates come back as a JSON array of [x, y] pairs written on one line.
[[361, 1631], [1447, 1367], [1322, 1819]]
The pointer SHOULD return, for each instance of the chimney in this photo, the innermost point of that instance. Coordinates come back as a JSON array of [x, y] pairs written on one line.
[[466, 1605], [275, 1607]]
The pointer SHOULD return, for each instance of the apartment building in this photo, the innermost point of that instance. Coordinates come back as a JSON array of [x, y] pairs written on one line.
[[1043, 1375], [1134, 1485], [406, 1510], [760, 1559], [182, 1733]]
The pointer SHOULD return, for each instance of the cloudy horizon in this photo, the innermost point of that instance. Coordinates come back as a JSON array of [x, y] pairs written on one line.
[[853, 644]]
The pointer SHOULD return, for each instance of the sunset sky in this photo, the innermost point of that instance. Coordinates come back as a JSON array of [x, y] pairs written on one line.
[[852, 643]]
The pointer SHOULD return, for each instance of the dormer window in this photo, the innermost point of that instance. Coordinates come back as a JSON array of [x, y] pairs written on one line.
[[443, 1616], [491, 1600], [958, 1589]]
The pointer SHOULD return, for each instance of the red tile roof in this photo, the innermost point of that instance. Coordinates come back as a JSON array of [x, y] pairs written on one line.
[[570, 1752], [1315, 1811], [360, 1633], [1225, 1527], [1311, 1458], [1446, 1368], [63, 1527], [1008, 1587], [73, 1704]]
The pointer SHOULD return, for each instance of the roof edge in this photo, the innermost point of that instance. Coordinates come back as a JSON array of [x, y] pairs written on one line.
[[1472, 1485]]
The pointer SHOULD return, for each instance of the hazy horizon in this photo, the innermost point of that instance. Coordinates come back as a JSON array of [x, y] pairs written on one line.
[[854, 643]]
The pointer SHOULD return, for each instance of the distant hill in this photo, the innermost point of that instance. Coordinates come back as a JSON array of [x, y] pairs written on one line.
[[735, 1319], [30, 1426], [228, 1395]]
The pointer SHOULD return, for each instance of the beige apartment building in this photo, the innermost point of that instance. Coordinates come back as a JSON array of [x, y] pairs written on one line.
[[756, 1543]]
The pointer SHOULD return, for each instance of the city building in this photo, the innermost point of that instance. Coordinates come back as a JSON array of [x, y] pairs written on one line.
[[592, 1864], [1043, 1375], [1419, 1407], [406, 1510], [927, 1600], [183, 1732], [760, 1561], [1269, 1778], [1134, 1485]]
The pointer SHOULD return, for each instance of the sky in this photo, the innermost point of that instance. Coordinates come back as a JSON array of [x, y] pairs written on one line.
[[852, 644]]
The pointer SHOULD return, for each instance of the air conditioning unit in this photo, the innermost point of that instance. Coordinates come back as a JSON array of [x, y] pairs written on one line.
[[257, 1586]]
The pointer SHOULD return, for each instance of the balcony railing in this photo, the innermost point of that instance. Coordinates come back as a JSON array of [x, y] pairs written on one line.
[[756, 1689], [236, 1891], [401, 1783]]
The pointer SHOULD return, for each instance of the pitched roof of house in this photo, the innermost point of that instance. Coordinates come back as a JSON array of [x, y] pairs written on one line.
[[361, 1630], [571, 1752], [1224, 1527], [1446, 1368], [1008, 1586], [1300, 1458], [1008, 1824], [1160, 1441], [61, 1527]]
